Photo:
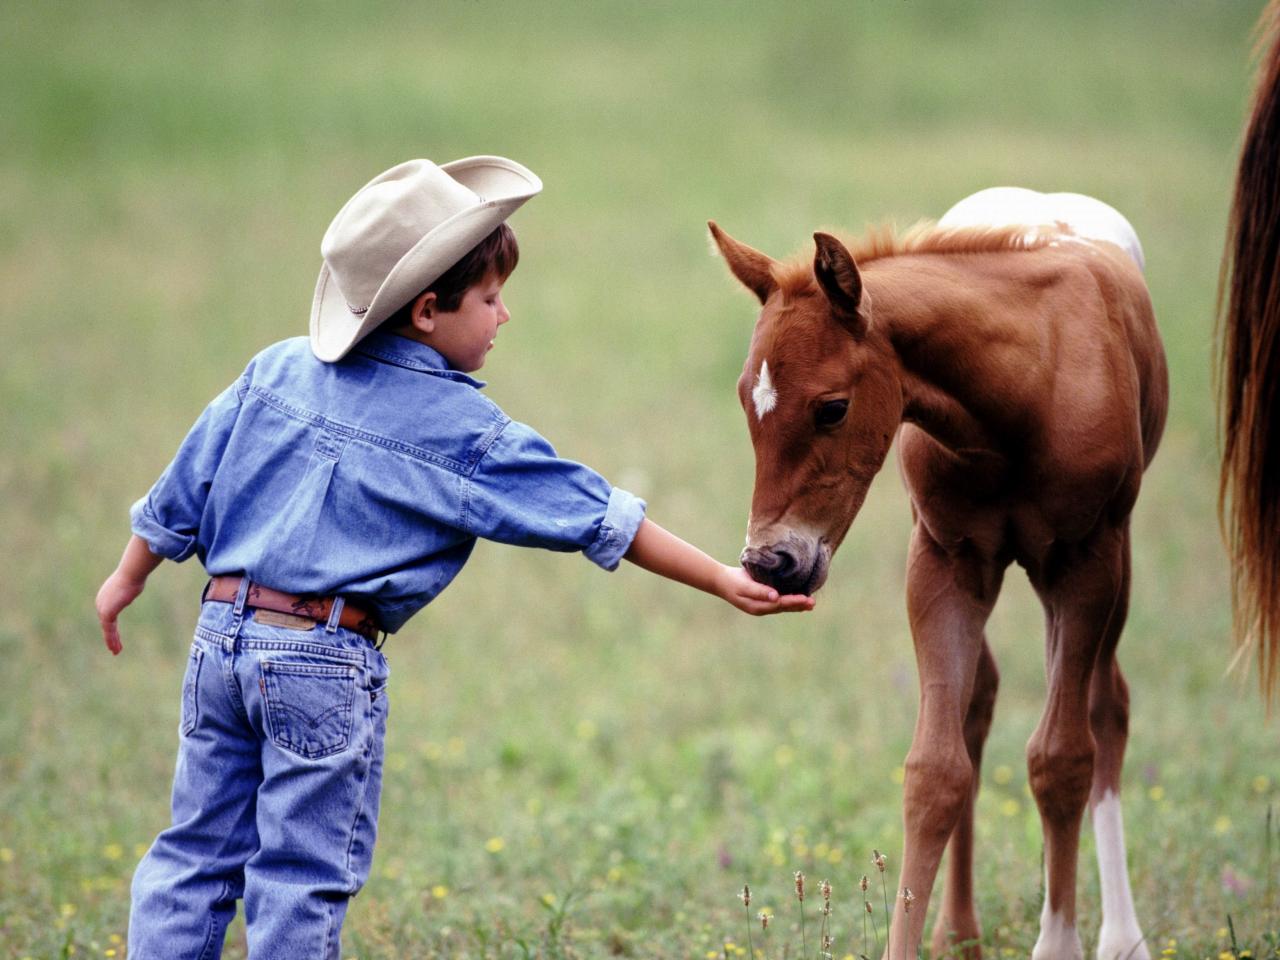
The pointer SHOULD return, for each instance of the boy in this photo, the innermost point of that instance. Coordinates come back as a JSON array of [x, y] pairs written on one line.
[[332, 492]]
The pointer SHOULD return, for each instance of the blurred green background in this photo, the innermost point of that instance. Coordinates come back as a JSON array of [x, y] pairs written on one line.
[[582, 764]]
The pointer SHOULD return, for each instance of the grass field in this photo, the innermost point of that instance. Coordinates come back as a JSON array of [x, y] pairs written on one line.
[[584, 765]]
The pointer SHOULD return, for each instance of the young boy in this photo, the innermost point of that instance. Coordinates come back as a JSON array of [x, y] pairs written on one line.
[[331, 492]]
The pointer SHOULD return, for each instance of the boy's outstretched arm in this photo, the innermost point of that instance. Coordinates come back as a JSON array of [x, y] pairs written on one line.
[[123, 587], [661, 552]]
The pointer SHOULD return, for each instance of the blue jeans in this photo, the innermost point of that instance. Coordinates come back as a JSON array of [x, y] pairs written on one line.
[[275, 795]]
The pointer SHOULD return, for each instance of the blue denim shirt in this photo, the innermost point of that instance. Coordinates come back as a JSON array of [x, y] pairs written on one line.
[[371, 477]]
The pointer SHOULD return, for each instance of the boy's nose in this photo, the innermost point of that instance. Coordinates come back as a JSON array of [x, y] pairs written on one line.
[[503, 314]]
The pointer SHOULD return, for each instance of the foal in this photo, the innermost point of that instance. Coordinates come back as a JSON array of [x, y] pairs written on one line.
[[1021, 370]]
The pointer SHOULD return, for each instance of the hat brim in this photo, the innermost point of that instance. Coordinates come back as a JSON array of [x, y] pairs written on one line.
[[502, 186]]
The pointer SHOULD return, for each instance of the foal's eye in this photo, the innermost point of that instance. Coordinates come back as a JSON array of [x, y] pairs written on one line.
[[831, 413]]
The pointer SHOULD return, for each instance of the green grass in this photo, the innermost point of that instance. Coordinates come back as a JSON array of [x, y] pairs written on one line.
[[167, 173]]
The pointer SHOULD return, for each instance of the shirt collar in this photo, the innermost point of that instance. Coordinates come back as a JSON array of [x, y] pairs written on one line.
[[411, 354]]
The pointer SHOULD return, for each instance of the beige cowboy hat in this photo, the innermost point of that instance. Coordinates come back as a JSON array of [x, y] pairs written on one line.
[[399, 233]]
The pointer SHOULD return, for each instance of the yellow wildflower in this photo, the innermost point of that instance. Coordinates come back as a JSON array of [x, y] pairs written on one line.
[[495, 844]]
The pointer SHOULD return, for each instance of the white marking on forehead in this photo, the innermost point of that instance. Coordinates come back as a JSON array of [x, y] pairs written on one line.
[[763, 394]]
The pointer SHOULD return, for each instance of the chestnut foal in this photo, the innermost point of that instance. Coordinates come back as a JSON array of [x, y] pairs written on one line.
[[1013, 351]]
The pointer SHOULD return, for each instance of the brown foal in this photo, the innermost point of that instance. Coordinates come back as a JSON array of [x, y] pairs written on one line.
[[1013, 351]]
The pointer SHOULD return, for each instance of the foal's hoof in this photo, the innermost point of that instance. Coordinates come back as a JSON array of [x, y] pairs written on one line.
[[955, 941], [1122, 945], [1057, 940]]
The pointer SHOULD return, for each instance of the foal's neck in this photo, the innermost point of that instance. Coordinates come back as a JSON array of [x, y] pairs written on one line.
[[965, 373]]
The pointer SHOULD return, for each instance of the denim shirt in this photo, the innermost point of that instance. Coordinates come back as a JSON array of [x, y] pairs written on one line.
[[370, 478]]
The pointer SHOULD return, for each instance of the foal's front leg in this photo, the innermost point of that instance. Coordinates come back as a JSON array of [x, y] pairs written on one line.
[[956, 930], [949, 598]]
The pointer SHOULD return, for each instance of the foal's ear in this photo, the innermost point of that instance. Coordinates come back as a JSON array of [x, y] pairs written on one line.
[[838, 276], [752, 267]]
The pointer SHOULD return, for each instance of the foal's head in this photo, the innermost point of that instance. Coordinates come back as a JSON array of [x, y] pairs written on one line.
[[823, 400]]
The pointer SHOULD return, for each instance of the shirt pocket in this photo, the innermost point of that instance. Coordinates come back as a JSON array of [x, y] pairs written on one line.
[[190, 690], [309, 706]]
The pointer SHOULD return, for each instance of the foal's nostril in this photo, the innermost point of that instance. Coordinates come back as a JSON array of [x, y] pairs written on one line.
[[785, 564], [759, 564], [772, 566]]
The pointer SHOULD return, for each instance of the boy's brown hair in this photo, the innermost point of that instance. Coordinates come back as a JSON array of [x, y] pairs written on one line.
[[497, 254]]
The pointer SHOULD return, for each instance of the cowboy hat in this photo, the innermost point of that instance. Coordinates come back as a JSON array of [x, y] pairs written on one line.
[[399, 233]]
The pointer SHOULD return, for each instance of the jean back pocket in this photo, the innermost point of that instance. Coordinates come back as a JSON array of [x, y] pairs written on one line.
[[190, 690], [309, 706]]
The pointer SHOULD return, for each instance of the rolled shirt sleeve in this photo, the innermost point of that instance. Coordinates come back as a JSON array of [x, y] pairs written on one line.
[[522, 493], [169, 516]]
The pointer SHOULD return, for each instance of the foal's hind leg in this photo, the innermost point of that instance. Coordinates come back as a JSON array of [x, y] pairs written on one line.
[[1120, 937], [956, 931], [1081, 588]]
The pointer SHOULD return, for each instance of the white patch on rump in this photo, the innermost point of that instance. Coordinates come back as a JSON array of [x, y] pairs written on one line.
[[1086, 217], [763, 394]]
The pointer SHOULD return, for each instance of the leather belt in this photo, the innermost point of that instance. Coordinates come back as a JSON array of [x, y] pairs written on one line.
[[353, 616]]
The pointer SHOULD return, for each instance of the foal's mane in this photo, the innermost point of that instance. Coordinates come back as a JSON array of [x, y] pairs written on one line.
[[795, 274]]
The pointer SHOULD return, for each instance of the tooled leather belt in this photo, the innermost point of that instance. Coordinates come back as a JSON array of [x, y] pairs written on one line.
[[353, 616]]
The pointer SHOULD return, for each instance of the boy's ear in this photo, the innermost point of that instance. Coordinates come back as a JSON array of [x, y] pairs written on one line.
[[423, 312]]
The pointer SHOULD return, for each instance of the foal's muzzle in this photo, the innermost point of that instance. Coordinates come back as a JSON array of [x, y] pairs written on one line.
[[794, 564]]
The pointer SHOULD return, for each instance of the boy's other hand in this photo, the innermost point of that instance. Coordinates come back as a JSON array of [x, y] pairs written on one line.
[[735, 586], [123, 587], [114, 595]]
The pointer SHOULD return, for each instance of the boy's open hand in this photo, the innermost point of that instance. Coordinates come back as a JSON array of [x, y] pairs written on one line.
[[735, 586], [662, 552]]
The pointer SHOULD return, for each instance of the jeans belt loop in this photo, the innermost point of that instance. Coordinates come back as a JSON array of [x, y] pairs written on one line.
[[335, 615], [237, 612]]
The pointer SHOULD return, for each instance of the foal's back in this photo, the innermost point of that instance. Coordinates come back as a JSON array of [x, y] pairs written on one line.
[[1062, 357]]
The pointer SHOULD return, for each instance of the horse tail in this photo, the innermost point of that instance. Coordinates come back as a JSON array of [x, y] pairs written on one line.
[[1249, 370]]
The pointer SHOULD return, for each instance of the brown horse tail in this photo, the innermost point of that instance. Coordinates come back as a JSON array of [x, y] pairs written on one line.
[[1249, 370]]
